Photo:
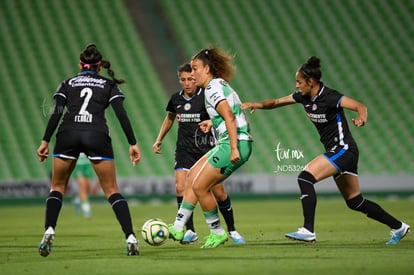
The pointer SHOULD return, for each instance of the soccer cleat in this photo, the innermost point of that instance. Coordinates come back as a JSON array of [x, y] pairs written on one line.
[[45, 246], [214, 240], [236, 237], [132, 246], [176, 235], [303, 235], [189, 237], [398, 234]]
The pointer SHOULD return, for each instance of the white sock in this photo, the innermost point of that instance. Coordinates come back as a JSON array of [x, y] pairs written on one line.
[[183, 214], [213, 221], [86, 207]]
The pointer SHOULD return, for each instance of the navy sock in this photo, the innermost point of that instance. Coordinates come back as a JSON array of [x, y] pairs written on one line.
[[308, 198], [53, 206], [121, 210], [373, 211], [227, 211]]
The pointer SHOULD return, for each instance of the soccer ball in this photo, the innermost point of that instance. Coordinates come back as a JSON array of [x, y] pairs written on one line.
[[155, 232]]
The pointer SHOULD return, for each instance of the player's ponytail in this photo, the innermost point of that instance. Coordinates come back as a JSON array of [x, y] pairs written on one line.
[[107, 65], [312, 69]]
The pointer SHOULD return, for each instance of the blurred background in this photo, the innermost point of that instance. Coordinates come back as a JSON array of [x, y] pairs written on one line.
[[366, 48]]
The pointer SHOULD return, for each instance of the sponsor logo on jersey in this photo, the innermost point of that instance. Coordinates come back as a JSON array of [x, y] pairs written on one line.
[[84, 80], [188, 117], [215, 96], [317, 118]]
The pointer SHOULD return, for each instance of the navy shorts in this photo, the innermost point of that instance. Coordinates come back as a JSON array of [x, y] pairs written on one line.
[[96, 145], [344, 160], [185, 160]]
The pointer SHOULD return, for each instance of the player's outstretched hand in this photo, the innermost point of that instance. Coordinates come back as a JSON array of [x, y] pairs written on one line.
[[248, 105]]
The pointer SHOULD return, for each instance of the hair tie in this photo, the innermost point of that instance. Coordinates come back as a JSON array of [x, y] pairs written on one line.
[[305, 73]]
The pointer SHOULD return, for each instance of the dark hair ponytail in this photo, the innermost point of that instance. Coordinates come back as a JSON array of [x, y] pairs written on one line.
[[312, 68], [107, 65], [91, 58]]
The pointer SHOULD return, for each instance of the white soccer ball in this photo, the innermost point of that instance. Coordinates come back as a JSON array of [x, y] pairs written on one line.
[[155, 232]]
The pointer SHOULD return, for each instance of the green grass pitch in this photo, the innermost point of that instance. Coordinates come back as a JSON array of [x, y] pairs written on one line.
[[347, 241]]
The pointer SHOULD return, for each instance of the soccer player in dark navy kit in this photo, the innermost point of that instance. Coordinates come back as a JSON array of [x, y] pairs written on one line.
[[188, 108], [85, 97], [324, 107]]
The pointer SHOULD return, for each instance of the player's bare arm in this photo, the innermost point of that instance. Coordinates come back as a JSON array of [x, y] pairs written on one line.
[[165, 127], [361, 109], [268, 104], [224, 110]]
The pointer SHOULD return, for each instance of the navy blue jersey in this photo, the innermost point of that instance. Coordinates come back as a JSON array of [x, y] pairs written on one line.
[[326, 114], [87, 95], [189, 112]]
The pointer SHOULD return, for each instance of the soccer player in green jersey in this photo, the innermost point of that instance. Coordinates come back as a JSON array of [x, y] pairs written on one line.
[[212, 71]]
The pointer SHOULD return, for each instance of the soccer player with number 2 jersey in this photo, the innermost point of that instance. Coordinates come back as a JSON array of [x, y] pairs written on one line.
[[85, 97]]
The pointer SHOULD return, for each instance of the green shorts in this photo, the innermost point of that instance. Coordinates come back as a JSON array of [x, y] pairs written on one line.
[[219, 156], [83, 170]]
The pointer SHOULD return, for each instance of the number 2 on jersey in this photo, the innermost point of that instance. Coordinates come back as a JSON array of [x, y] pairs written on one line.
[[84, 116], [87, 93]]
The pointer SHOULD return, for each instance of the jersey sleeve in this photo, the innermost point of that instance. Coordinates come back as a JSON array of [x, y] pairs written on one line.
[[214, 93], [297, 96], [115, 93], [60, 91], [54, 119], [170, 106], [334, 99], [122, 116]]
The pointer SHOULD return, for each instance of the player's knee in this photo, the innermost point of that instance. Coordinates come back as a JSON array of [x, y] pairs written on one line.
[[355, 203], [179, 189], [306, 177], [198, 190]]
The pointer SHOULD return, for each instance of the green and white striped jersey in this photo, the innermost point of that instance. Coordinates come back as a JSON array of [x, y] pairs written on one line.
[[216, 91]]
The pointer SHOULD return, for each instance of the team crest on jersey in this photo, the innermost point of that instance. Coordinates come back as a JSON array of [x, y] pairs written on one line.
[[187, 106], [314, 107]]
